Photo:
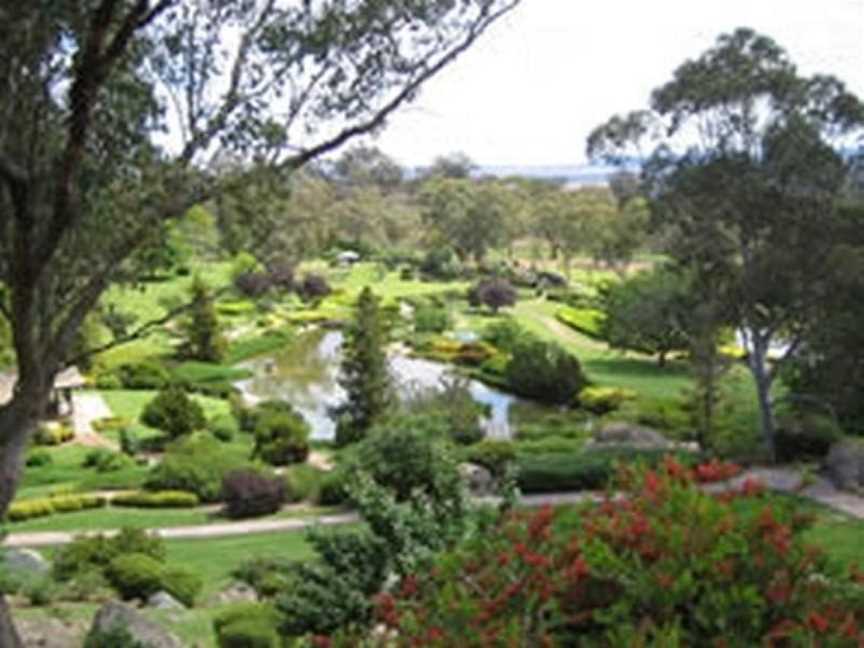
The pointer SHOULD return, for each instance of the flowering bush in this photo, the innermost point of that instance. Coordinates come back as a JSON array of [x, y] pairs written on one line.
[[665, 564]]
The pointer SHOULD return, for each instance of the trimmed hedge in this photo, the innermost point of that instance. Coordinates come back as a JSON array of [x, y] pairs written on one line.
[[135, 576], [592, 470], [585, 320], [42, 507], [247, 625], [602, 400], [158, 499]]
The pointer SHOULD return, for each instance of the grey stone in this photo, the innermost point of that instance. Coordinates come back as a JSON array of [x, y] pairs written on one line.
[[164, 601], [49, 633], [115, 614], [237, 593], [479, 480], [844, 464], [632, 435], [25, 561]]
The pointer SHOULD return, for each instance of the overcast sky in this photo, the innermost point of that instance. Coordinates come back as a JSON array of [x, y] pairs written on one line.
[[531, 91]]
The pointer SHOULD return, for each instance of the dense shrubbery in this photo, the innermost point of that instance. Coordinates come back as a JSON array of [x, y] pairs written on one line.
[[313, 287], [159, 499], [668, 565], [38, 457], [142, 375], [135, 576], [805, 436], [493, 455], [504, 335], [429, 318], [585, 470], [88, 553], [281, 437], [303, 482], [249, 493], [247, 625], [104, 460], [494, 293], [173, 412], [545, 372], [602, 400], [195, 464]]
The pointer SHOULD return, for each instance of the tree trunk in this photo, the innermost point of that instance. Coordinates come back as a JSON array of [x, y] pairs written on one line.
[[18, 420], [661, 359], [762, 378]]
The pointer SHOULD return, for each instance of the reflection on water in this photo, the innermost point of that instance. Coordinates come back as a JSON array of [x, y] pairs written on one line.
[[306, 373]]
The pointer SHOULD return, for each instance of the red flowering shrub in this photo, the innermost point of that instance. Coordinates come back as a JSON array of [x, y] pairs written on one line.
[[663, 564]]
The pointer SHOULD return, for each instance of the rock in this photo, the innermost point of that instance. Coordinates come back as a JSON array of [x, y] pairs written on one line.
[[844, 464], [164, 601], [25, 562], [48, 633], [237, 593], [630, 435], [115, 614], [479, 480]]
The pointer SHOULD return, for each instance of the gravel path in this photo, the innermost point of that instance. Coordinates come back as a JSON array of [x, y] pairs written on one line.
[[786, 480]]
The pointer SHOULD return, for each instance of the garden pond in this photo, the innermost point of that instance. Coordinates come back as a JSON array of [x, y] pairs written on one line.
[[306, 374]]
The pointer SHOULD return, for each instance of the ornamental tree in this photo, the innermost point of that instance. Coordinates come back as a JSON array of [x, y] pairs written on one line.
[[88, 174], [744, 163]]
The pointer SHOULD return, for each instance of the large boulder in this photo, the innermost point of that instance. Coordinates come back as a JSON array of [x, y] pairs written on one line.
[[622, 434], [479, 480], [25, 562], [164, 601], [146, 632], [45, 632], [844, 464]]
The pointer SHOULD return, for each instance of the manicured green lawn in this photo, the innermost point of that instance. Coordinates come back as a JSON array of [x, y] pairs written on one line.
[[129, 404]]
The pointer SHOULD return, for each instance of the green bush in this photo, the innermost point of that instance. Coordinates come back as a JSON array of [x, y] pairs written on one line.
[[195, 464], [116, 637], [250, 493], [333, 490], [224, 427], [173, 412], [37, 458], [182, 584], [504, 335], [110, 424], [135, 576], [549, 445], [281, 438], [159, 499], [88, 554], [805, 436], [247, 625], [494, 455], [303, 483], [585, 320], [431, 319], [142, 375], [104, 460], [53, 434], [602, 400], [587, 470], [545, 372], [42, 507]]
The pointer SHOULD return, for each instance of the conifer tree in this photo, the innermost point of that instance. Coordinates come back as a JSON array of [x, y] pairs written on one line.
[[204, 339], [365, 372]]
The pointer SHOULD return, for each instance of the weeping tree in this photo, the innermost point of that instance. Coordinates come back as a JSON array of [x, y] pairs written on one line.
[[744, 160], [117, 115]]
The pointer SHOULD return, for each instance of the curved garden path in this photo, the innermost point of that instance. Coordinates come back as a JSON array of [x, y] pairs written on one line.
[[89, 407], [786, 480]]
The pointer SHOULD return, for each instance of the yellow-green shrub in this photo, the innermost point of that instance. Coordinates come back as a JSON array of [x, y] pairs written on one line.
[[35, 508], [602, 400], [159, 499]]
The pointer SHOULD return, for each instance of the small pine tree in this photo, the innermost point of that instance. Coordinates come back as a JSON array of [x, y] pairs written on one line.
[[204, 339], [365, 373]]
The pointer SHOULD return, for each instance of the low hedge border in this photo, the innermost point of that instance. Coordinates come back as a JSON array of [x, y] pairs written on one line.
[[45, 506], [158, 499]]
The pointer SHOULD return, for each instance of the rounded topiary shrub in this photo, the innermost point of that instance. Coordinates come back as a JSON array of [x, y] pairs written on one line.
[[249, 493], [247, 625], [174, 412], [135, 576], [182, 584], [281, 438], [545, 372], [142, 375]]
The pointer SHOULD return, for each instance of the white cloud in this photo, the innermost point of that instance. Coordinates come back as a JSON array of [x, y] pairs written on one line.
[[530, 92]]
